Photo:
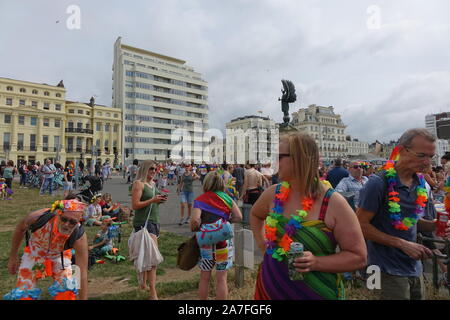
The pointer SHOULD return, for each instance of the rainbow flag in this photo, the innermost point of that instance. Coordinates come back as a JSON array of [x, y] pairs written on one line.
[[218, 203]]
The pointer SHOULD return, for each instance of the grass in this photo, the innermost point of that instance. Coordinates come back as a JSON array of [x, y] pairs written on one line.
[[172, 283]]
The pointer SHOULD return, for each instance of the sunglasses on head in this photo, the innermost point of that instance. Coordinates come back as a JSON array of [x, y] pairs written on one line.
[[72, 222]]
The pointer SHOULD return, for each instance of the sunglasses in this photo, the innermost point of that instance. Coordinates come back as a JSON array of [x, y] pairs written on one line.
[[356, 167], [72, 222], [152, 169], [282, 155]]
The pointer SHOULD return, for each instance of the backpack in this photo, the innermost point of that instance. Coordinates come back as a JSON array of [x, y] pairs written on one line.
[[42, 221]]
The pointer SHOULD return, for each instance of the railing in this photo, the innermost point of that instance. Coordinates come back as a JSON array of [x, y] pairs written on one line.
[[79, 130]]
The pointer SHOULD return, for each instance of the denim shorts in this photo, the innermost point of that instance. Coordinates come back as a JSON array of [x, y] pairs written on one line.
[[68, 186], [152, 228], [187, 197]]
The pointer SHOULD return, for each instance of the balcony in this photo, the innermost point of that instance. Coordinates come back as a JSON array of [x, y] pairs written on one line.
[[79, 130]]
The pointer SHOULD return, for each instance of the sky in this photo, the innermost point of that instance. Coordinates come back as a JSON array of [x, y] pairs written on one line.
[[382, 65]]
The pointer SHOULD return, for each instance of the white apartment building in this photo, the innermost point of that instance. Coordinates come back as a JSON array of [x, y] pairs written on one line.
[[325, 127], [216, 151], [430, 124], [252, 139], [441, 150], [164, 103], [356, 148]]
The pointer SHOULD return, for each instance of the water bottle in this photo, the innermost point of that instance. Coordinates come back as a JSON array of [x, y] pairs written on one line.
[[296, 250]]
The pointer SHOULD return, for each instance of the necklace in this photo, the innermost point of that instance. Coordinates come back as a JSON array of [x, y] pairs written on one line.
[[279, 230], [393, 204]]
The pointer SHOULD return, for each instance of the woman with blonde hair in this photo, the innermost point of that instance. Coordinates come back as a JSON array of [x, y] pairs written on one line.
[[214, 204], [303, 210], [145, 200]]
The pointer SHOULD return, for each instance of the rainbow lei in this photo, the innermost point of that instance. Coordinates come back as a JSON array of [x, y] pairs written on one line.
[[393, 203], [279, 238]]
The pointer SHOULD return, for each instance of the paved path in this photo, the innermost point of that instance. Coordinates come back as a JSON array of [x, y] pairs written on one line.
[[169, 212]]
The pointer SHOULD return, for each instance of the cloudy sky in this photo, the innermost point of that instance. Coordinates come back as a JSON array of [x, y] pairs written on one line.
[[383, 65]]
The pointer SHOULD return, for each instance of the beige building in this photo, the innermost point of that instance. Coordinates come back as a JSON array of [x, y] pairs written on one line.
[[36, 122], [164, 102], [251, 139], [325, 127], [32, 119], [356, 147]]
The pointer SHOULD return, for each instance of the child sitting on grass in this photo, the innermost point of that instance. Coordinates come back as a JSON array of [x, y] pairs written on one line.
[[102, 242], [5, 191], [94, 212], [108, 207]]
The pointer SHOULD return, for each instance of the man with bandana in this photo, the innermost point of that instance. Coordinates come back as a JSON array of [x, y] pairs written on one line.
[[48, 253]]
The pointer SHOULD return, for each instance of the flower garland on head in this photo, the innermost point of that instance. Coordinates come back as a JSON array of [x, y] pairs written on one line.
[[279, 238], [67, 205], [393, 200]]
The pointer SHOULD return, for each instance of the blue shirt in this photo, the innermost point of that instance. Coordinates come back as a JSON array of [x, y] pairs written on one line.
[[372, 198], [350, 184], [336, 175]]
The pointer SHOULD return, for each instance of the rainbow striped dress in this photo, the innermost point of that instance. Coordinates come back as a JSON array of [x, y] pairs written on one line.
[[273, 281]]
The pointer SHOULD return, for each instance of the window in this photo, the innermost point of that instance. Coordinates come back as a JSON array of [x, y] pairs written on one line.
[[23, 90], [44, 143], [33, 121], [70, 144], [99, 126], [57, 107], [46, 93], [9, 88], [6, 140], [116, 115], [46, 106], [97, 143], [7, 118], [34, 91], [9, 101], [99, 113], [87, 126], [56, 142], [34, 104], [46, 122], [88, 113], [70, 124], [57, 123], [116, 128], [71, 111], [22, 120], [58, 95], [80, 111], [108, 114], [79, 125], [107, 127], [21, 102], [20, 141], [32, 142]]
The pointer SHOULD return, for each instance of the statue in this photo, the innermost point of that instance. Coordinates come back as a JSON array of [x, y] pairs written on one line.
[[289, 96]]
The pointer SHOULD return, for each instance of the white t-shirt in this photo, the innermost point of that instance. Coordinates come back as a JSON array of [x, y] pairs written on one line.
[[267, 171]]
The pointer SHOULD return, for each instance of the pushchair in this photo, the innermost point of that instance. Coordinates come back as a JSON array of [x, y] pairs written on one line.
[[95, 186]]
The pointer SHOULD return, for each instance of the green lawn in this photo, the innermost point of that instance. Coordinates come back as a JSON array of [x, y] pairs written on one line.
[[27, 200]]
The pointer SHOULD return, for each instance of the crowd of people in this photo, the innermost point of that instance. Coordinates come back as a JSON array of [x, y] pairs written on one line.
[[345, 217]]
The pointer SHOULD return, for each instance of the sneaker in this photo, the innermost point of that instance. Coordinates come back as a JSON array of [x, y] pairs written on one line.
[[186, 221], [181, 222]]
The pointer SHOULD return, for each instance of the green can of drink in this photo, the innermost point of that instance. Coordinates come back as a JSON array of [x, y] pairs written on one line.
[[295, 251]]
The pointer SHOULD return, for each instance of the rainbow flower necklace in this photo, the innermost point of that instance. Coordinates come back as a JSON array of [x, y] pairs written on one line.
[[278, 237], [393, 200]]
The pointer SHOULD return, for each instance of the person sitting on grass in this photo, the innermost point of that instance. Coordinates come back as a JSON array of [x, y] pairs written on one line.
[[102, 242], [5, 192], [108, 207], [94, 212]]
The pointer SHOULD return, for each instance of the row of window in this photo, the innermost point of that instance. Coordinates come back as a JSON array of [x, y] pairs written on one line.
[[144, 107], [30, 143], [159, 62], [144, 96], [34, 91], [146, 86], [147, 140], [33, 121], [34, 104], [164, 80]]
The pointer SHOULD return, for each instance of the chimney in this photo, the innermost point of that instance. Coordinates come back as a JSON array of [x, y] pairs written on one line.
[[92, 102]]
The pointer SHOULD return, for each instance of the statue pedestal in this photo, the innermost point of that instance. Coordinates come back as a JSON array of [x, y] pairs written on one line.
[[287, 128]]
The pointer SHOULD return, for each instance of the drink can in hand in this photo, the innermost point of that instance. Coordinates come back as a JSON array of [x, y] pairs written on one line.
[[296, 250]]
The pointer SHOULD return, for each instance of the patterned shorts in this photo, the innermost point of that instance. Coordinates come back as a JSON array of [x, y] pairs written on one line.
[[219, 254]]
